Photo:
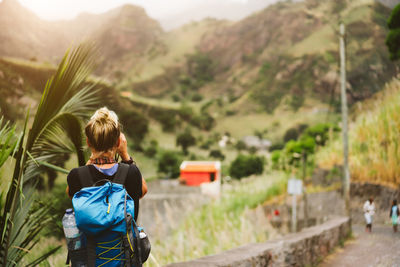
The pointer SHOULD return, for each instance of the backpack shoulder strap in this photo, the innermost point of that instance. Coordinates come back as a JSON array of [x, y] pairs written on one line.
[[85, 177], [121, 174]]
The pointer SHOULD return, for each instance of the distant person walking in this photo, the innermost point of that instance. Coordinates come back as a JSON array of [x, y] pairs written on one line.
[[369, 211], [394, 215]]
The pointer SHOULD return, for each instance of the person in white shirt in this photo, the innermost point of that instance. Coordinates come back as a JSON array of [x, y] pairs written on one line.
[[369, 211]]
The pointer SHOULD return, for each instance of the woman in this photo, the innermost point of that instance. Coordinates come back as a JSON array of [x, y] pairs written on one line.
[[369, 211], [104, 138], [394, 215]]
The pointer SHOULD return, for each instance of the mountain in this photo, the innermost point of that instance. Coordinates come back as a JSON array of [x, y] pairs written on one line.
[[124, 32], [389, 3], [212, 9], [282, 55], [24, 35], [126, 35], [292, 49]]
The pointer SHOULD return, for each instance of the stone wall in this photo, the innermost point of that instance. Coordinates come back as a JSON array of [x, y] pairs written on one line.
[[166, 204], [382, 195], [307, 247]]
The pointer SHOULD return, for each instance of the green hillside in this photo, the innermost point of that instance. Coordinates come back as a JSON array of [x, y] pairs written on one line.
[[267, 73], [282, 55], [21, 84]]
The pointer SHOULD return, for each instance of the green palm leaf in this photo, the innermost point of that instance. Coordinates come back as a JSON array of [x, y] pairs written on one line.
[[7, 144], [56, 130]]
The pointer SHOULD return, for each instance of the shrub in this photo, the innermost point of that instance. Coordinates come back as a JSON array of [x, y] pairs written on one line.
[[150, 151], [240, 145], [252, 150], [302, 127], [295, 149], [167, 120], [206, 144], [320, 132], [276, 146], [135, 125], [197, 97], [185, 140], [186, 112], [244, 166], [230, 112], [176, 98], [276, 159], [203, 121], [169, 164], [216, 153], [291, 134]]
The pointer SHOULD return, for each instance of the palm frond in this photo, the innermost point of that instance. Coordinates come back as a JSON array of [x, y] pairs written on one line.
[[12, 198], [56, 131], [57, 128], [69, 79], [7, 144], [43, 257]]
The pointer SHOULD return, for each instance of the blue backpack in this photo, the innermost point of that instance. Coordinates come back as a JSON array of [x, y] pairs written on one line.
[[105, 215]]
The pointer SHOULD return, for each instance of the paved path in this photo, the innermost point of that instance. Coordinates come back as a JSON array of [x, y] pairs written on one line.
[[380, 248]]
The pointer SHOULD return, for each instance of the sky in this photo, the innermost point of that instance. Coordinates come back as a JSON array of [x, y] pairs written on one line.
[[68, 9]]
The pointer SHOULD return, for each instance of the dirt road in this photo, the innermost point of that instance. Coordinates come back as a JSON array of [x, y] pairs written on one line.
[[380, 248]]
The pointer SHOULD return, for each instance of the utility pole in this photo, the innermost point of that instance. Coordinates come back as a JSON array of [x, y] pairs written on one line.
[[346, 172], [305, 197]]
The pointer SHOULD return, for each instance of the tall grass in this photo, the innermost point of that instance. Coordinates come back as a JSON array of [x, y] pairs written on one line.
[[221, 225], [374, 141]]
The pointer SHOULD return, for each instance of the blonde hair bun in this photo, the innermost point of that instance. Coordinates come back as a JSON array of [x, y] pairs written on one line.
[[103, 129]]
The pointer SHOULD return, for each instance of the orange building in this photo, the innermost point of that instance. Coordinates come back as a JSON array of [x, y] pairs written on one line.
[[194, 173]]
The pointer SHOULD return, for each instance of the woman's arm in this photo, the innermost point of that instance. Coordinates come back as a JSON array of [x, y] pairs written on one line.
[[67, 191], [144, 188]]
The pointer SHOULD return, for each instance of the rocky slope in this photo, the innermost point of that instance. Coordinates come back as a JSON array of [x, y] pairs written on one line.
[[119, 33], [285, 54]]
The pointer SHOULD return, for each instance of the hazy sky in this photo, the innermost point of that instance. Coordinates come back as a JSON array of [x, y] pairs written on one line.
[[65, 9]]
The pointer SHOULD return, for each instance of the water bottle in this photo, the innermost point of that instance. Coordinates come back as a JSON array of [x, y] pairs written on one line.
[[75, 239], [71, 231]]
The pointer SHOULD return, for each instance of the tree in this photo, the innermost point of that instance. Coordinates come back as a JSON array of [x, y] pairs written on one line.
[[320, 132], [291, 134], [393, 37], [246, 165], [201, 68], [295, 149], [135, 125], [217, 154], [240, 145], [276, 159], [56, 130], [152, 149], [185, 140], [169, 164]]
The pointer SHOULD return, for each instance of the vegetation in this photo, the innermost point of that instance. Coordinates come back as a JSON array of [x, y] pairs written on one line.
[[216, 154], [185, 140], [393, 37], [135, 125], [152, 149], [291, 134], [169, 164], [55, 131], [374, 141], [201, 68], [304, 147], [208, 230], [246, 165]]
